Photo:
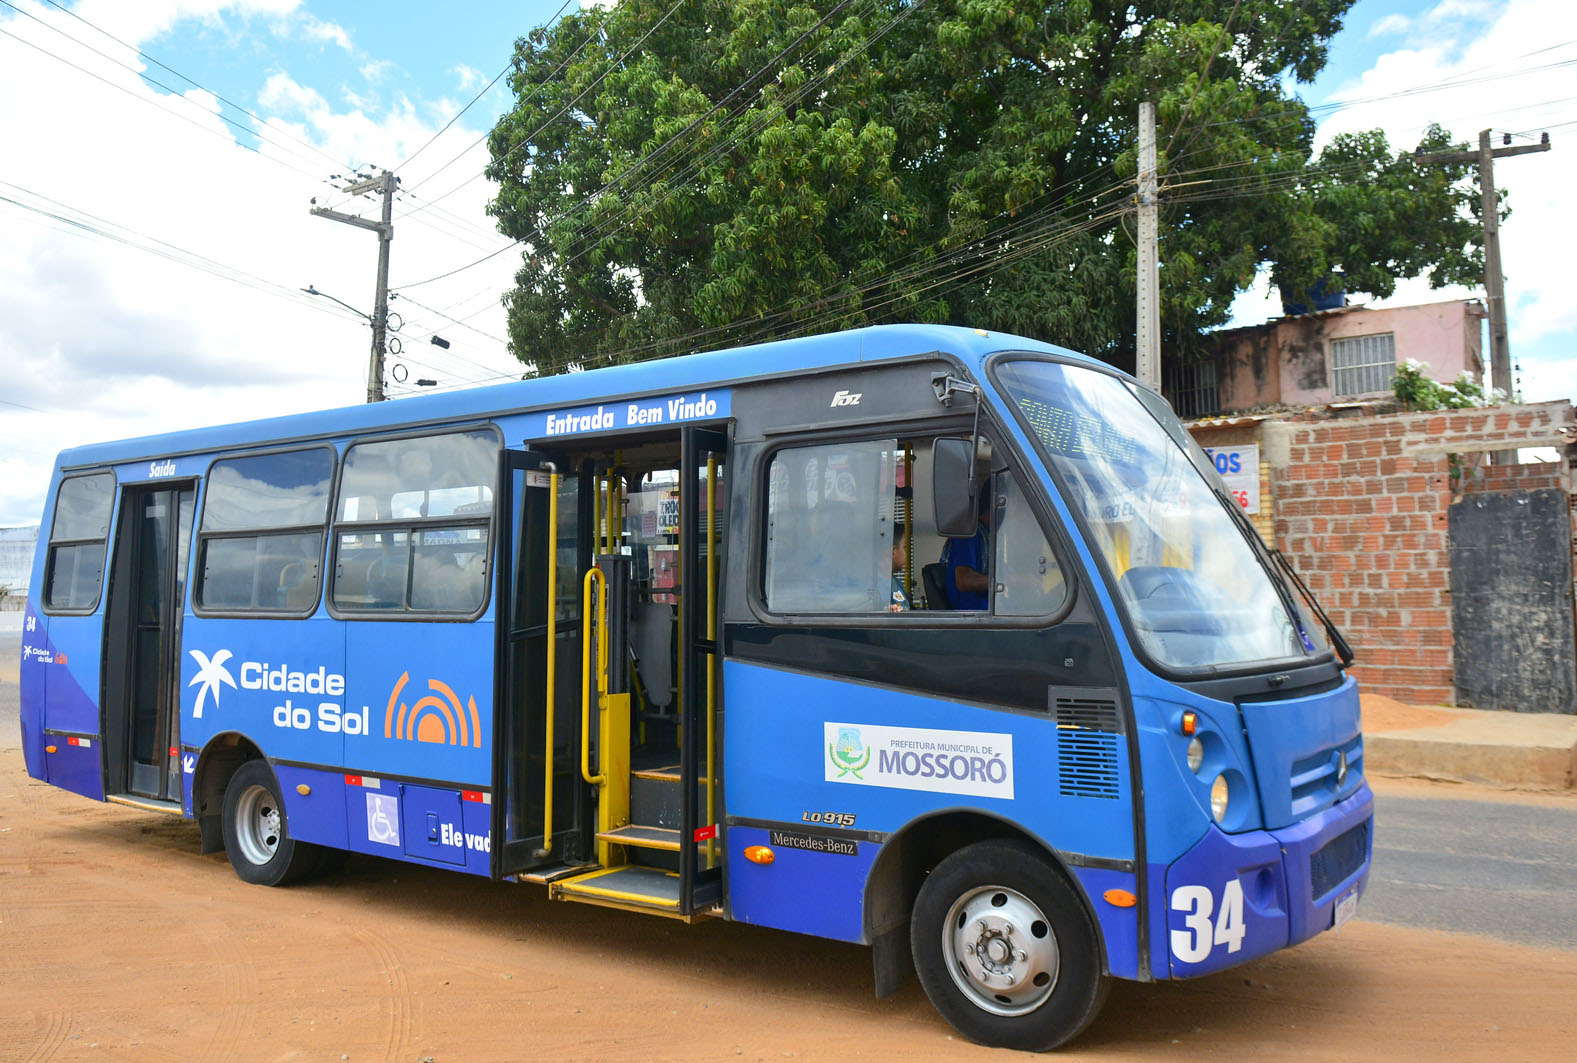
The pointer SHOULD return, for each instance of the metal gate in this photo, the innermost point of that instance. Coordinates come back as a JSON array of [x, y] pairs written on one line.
[[1511, 594]]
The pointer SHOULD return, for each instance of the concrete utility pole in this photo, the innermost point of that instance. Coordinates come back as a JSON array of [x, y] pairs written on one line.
[[1148, 333], [383, 183], [1494, 278]]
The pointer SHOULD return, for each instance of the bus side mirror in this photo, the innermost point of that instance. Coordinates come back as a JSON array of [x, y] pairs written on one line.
[[953, 487]]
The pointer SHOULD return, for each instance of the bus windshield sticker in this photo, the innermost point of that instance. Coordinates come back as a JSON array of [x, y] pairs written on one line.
[[613, 416], [910, 758]]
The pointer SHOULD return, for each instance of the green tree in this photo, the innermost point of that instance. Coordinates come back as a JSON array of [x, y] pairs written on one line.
[[726, 171]]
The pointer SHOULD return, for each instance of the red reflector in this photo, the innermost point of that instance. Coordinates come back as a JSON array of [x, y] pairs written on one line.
[[706, 834], [471, 795], [174, 752], [353, 780], [73, 741]]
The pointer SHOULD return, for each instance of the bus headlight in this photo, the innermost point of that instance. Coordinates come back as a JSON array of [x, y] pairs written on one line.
[[1218, 798], [1196, 755]]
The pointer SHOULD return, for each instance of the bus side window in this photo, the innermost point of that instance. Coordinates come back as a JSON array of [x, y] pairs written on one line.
[[830, 528], [76, 543], [1027, 579], [411, 533], [260, 544]]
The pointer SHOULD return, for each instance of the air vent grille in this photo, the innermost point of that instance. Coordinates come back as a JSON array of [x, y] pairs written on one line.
[[1088, 730]]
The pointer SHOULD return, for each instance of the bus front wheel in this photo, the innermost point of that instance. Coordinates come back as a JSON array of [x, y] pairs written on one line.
[[1005, 949], [257, 839]]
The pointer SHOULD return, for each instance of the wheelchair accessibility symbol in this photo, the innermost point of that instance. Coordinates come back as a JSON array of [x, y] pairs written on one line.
[[383, 819]]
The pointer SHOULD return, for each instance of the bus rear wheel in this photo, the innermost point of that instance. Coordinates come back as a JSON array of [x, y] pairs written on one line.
[[257, 838], [1005, 949]]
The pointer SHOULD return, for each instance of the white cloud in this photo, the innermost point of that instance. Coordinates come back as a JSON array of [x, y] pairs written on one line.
[[282, 93], [139, 23], [1460, 11], [468, 77], [1501, 77], [376, 70], [1390, 24], [326, 32], [109, 341]]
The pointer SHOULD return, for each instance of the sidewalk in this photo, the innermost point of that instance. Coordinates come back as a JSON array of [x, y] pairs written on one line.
[[1520, 750]]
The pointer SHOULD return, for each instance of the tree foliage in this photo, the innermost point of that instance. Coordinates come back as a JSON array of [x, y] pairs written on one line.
[[689, 175]]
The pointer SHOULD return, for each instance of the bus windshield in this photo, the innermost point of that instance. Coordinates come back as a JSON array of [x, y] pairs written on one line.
[[1196, 594]]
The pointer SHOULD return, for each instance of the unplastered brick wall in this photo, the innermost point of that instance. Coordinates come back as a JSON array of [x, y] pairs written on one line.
[[1361, 509]]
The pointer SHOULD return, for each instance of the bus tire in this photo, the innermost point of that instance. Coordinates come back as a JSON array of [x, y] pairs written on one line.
[[1005, 948], [257, 838]]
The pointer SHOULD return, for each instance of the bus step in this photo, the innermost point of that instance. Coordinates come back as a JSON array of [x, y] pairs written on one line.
[[642, 837], [542, 876], [147, 804], [634, 888], [667, 773]]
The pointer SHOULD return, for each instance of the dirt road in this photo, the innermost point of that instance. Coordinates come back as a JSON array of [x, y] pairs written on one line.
[[118, 941]]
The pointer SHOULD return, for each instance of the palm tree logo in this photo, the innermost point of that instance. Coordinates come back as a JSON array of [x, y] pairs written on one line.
[[210, 673]]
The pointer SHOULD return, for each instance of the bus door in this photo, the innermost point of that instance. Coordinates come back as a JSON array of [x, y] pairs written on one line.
[[142, 657], [636, 691], [541, 810]]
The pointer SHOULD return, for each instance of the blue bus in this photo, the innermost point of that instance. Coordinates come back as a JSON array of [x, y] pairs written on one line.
[[943, 641]]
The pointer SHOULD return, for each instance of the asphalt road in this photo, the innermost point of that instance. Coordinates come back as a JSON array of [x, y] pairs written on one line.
[[1502, 868]]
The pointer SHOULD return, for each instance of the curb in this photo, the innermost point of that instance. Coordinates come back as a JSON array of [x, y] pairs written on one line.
[[1507, 749]]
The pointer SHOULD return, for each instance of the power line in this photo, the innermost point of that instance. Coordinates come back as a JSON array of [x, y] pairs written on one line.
[[608, 14], [478, 96], [714, 152], [189, 80], [175, 93], [153, 245]]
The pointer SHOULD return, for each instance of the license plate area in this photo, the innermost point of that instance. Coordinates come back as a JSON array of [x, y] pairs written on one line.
[[1346, 907]]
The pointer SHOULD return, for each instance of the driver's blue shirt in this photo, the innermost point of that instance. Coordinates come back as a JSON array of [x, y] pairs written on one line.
[[970, 552]]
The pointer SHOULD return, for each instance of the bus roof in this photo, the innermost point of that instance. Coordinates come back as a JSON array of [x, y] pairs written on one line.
[[713, 369]]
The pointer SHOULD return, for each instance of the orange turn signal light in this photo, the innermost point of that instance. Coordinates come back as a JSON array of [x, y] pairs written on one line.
[[759, 854], [303, 789], [1120, 898], [1190, 723], [51, 749]]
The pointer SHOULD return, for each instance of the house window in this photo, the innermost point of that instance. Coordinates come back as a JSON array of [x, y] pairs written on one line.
[[1361, 365], [1192, 389]]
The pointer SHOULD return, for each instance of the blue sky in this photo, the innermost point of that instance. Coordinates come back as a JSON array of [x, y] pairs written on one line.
[[121, 190]]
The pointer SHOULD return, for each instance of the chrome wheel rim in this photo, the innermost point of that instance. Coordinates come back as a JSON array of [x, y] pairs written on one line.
[[259, 825], [1000, 950]]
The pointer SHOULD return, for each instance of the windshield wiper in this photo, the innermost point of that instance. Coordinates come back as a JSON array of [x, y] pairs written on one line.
[[1338, 642], [1343, 650]]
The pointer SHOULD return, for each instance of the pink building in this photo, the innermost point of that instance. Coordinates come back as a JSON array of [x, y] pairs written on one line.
[[1346, 354]]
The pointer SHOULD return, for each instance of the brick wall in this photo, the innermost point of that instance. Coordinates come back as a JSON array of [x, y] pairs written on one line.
[[1361, 510]]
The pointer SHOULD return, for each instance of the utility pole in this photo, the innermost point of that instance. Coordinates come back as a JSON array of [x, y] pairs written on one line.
[[383, 183], [1148, 332], [1494, 278]]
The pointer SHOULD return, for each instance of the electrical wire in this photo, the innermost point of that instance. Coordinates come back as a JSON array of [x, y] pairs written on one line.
[[175, 93], [713, 153], [191, 81]]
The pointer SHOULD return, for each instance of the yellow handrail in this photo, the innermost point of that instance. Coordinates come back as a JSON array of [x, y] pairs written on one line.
[[599, 608], [553, 653]]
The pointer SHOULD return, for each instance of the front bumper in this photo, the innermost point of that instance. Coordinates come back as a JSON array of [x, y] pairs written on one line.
[[1235, 897]]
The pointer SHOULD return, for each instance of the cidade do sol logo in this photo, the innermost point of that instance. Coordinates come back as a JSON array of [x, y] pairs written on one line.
[[213, 674]]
